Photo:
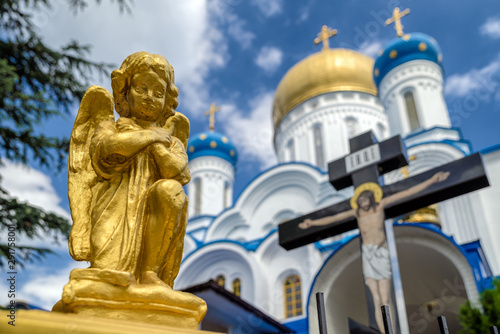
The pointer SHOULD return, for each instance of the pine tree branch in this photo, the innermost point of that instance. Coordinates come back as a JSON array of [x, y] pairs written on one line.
[[37, 82], [30, 221]]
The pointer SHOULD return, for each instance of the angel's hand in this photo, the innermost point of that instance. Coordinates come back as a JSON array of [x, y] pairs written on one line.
[[161, 135], [305, 224]]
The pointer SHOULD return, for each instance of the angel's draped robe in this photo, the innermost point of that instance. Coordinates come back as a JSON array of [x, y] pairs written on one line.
[[138, 218]]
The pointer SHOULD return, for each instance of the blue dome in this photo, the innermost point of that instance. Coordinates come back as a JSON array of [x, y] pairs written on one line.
[[406, 48], [212, 144]]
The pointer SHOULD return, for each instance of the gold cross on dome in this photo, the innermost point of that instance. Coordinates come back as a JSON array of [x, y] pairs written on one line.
[[324, 35], [396, 19], [213, 109]]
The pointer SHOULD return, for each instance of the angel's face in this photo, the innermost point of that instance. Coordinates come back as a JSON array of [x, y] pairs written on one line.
[[146, 97]]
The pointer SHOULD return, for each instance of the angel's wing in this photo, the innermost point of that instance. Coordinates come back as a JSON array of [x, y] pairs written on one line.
[[96, 106], [178, 126]]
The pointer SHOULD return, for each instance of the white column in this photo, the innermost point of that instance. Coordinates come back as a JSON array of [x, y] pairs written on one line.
[[215, 173], [425, 80]]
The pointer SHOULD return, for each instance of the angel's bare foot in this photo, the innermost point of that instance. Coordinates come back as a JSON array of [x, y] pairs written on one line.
[[150, 277]]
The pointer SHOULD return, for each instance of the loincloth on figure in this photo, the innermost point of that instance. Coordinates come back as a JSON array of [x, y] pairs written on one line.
[[376, 262]]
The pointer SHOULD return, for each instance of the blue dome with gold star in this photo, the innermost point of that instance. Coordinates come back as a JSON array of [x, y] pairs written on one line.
[[211, 143], [403, 49]]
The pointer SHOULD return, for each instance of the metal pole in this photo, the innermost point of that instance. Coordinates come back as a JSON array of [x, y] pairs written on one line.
[[443, 326], [493, 330], [386, 315], [399, 300], [320, 302]]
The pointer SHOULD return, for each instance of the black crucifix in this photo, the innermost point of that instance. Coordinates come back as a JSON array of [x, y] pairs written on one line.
[[371, 204]]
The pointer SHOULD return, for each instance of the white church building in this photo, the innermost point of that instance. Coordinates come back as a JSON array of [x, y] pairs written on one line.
[[448, 253]]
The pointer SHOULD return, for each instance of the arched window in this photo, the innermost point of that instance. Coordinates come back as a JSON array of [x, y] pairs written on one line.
[[237, 287], [220, 280], [226, 194], [411, 110], [380, 131], [318, 146], [293, 296], [291, 150], [351, 125], [197, 196]]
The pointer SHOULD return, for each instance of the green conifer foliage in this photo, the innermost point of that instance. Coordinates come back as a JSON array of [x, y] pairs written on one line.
[[37, 82]]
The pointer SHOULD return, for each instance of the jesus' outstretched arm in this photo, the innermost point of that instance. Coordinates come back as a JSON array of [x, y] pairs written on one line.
[[327, 220], [438, 177]]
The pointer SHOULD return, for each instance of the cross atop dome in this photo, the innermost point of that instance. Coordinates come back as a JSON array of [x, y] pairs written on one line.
[[212, 143], [324, 35], [396, 19], [213, 109]]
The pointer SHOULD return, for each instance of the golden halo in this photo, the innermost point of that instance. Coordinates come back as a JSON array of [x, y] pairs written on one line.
[[371, 186]]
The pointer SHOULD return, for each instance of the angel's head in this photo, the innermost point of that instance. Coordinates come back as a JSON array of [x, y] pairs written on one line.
[[144, 87]]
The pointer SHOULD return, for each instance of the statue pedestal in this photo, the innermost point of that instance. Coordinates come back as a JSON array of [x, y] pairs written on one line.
[[115, 294], [41, 322]]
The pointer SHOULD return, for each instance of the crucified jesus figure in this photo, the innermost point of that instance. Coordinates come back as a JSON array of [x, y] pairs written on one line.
[[368, 208]]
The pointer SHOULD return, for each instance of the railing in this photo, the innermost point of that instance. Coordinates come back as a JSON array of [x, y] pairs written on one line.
[[386, 316]]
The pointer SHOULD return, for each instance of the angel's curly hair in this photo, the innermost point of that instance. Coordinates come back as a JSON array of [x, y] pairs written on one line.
[[135, 63]]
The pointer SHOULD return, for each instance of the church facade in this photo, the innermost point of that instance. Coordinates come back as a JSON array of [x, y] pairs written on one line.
[[447, 254]]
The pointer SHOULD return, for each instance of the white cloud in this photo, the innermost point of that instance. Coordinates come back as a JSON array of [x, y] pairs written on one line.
[[304, 12], [194, 46], [4, 287], [491, 28], [252, 131], [304, 15], [371, 48], [236, 29], [481, 81], [269, 7], [222, 11], [31, 185], [269, 58], [44, 288]]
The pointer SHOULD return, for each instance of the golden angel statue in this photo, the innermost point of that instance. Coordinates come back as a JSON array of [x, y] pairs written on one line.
[[126, 181]]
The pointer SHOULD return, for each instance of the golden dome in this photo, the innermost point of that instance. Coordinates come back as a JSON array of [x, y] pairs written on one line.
[[330, 70]]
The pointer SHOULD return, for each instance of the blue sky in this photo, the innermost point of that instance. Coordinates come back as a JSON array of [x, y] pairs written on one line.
[[235, 52]]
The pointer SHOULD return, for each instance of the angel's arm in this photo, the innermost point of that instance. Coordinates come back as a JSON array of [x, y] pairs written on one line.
[[172, 162], [327, 220], [117, 147], [438, 177]]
